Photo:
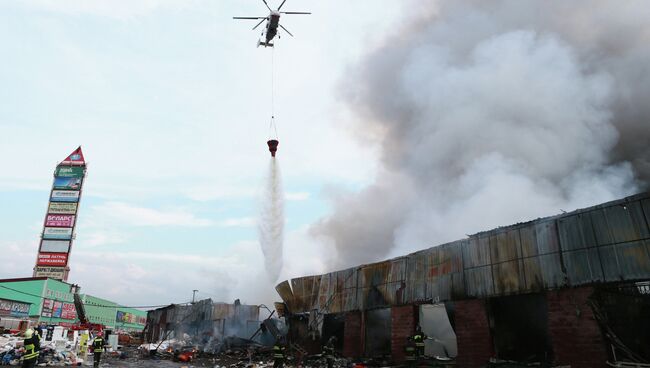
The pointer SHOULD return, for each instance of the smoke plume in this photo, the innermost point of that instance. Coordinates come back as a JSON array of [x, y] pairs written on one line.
[[492, 112], [271, 224]]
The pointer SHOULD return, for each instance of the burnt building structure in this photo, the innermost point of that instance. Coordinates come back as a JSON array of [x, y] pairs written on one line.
[[205, 324], [570, 289]]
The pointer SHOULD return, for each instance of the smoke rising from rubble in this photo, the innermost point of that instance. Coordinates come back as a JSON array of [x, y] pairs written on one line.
[[490, 113], [271, 224]]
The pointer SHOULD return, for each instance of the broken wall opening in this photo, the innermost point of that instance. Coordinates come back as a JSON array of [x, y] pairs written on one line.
[[377, 332], [300, 334], [436, 324], [623, 312], [334, 326], [519, 326]]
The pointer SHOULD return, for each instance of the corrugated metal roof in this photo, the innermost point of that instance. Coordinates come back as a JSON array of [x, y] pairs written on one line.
[[608, 242]]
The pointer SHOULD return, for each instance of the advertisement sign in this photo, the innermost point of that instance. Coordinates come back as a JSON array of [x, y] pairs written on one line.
[[19, 309], [65, 196], [52, 259], [48, 305], [68, 311], [123, 317], [59, 220], [62, 182], [58, 308], [70, 171], [75, 158], [62, 208], [5, 307], [63, 233], [59, 295], [13, 309], [51, 272], [55, 246]]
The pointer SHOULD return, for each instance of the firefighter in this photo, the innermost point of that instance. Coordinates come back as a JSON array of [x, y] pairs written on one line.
[[37, 334], [418, 339], [328, 351], [98, 349], [410, 352], [32, 345], [279, 354]]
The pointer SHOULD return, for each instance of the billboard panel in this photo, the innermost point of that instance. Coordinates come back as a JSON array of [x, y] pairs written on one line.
[[67, 183], [62, 208], [125, 317], [75, 158], [65, 196], [51, 272], [70, 171], [63, 233], [52, 259], [55, 246], [58, 308], [48, 305], [13, 309], [59, 220], [68, 311]]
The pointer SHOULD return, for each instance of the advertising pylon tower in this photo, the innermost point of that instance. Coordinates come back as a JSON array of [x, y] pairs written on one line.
[[61, 218]]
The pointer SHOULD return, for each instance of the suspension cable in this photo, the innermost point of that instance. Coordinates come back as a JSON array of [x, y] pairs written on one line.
[[272, 126]]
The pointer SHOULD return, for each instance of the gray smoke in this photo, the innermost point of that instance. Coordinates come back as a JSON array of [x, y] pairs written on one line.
[[271, 224], [492, 112]]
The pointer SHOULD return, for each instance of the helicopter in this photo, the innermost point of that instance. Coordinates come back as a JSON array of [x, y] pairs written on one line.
[[272, 24]]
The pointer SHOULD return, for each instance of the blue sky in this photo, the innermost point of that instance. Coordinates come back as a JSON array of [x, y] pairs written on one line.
[[170, 101]]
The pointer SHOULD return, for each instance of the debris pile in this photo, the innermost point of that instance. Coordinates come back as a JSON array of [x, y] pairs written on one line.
[[232, 353], [52, 353]]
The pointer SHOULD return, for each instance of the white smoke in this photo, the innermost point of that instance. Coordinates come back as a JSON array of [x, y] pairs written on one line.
[[271, 224], [490, 113]]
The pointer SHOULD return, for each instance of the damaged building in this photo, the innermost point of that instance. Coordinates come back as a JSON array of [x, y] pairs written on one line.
[[205, 324], [571, 289]]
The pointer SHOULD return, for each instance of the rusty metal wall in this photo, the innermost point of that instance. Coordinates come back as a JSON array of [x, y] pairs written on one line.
[[201, 318], [604, 243]]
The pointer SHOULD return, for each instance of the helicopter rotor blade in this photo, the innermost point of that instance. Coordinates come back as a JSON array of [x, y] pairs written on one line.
[[267, 5], [295, 12], [286, 30], [255, 18], [258, 24], [280, 7]]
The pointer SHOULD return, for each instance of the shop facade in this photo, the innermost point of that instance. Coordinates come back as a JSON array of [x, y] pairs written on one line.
[[42, 300]]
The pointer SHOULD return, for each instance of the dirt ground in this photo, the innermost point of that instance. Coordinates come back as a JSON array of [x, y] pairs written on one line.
[[133, 359]]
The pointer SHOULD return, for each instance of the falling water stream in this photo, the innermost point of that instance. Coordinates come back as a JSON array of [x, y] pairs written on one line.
[[271, 224]]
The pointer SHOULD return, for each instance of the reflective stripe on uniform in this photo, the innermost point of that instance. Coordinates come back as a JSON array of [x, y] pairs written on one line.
[[98, 345], [30, 353], [278, 352], [419, 340]]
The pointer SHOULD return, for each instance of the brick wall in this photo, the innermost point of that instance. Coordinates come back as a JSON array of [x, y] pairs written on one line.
[[352, 338], [403, 322], [472, 334], [575, 335]]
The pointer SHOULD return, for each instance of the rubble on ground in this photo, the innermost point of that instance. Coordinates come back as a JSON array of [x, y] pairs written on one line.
[[52, 353]]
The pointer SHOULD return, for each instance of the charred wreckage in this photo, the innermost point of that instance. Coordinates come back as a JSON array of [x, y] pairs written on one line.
[[566, 290], [571, 290]]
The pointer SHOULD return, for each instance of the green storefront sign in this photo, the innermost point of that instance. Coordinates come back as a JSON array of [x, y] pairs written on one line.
[[70, 171]]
